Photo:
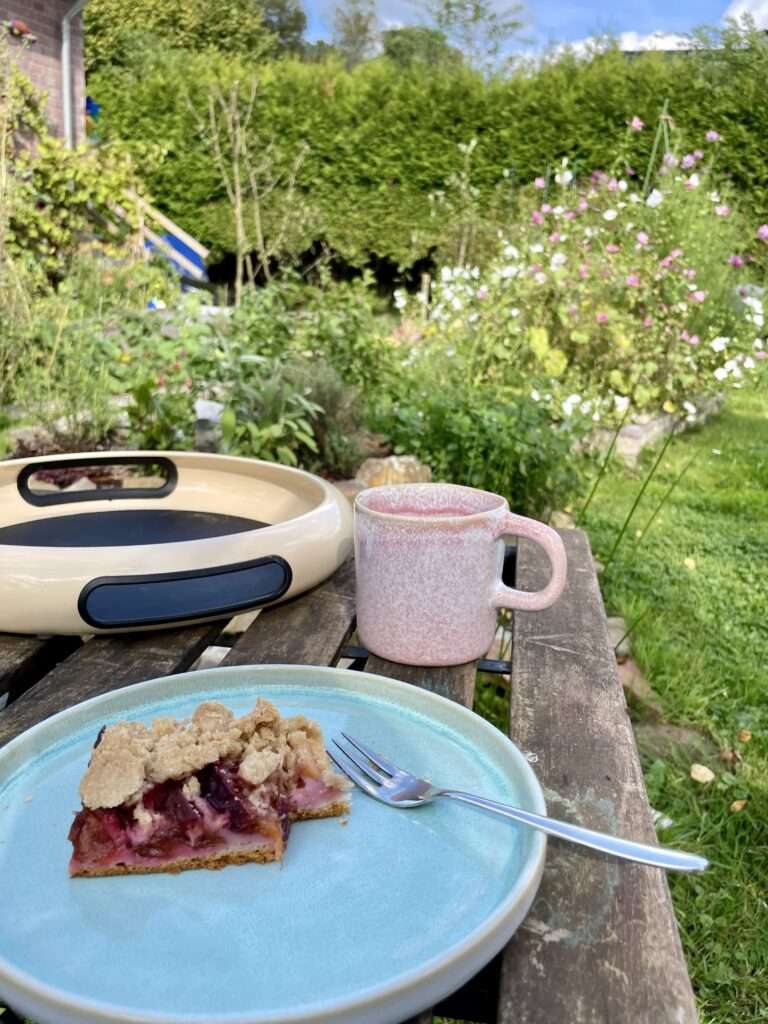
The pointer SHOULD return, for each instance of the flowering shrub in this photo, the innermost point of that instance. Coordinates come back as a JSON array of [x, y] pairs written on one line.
[[601, 296]]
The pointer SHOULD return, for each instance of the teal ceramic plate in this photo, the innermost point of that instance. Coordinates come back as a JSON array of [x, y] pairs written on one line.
[[366, 923]]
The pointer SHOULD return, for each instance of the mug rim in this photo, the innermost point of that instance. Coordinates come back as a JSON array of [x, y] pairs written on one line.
[[428, 519]]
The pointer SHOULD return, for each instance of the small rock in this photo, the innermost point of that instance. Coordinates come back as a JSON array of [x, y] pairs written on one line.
[[27, 441], [617, 630], [396, 469], [639, 689], [561, 521], [700, 773], [661, 820]]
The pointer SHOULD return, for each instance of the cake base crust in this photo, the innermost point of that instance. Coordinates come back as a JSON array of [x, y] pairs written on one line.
[[333, 810], [214, 861]]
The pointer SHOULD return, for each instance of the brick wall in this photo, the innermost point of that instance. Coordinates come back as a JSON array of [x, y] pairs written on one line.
[[42, 60]]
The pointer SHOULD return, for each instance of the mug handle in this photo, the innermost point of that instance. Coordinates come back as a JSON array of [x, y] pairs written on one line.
[[550, 540]]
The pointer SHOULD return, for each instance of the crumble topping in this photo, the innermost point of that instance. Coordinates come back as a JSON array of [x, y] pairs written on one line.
[[130, 758]]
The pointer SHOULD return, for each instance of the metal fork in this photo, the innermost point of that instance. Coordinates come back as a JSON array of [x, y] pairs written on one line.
[[393, 786]]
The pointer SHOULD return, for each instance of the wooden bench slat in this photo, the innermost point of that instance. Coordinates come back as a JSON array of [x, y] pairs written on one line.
[[600, 944], [25, 659], [104, 664], [457, 682], [309, 630]]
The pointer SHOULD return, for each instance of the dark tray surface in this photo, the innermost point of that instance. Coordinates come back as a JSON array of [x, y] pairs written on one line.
[[125, 528]]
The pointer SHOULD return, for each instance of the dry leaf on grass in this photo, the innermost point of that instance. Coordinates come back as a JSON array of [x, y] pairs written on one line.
[[745, 736], [729, 756], [690, 563], [700, 773], [738, 805]]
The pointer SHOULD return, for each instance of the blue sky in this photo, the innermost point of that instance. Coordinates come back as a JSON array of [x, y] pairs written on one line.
[[560, 21]]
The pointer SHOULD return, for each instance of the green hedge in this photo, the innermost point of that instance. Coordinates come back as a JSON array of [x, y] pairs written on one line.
[[383, 138]]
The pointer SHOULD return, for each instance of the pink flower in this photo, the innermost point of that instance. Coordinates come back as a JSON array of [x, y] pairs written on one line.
[[569, 214], [584, 205], [722, 210], [536, 217], [684, 335], [666, 262], [670, 160], [539, 183], [583, 271], [642, 238], [693, 340], [699, 154], [573, 310], [699, 295], [648, 322], [602, 318], [736, 261], [611, 247], [632, 280], [762, 232], [546, 208], [636, 124], [713, 136], [613, 185], [690, 273], [482, 292], [676, 254], [554, 237], [535, 268], [688, 160], [761, 355]]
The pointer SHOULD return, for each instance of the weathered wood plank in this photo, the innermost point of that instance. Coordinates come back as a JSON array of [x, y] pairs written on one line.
[[25, 659], [600, 944], [457, 682], [104, 664], [309, 630]]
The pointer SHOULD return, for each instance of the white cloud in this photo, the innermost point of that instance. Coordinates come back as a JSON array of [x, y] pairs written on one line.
[[655, 41], [756, 9]]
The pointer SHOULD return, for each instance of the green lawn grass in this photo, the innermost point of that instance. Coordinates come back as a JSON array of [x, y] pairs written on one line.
[[699, 579]]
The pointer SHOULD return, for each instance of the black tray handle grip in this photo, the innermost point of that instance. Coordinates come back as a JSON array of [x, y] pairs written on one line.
[[98, 494], [140, 602]]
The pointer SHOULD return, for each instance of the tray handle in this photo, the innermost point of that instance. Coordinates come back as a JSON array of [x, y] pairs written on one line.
[[139, 602], [41, 498]]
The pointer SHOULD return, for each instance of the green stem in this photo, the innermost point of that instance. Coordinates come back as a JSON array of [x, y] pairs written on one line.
[[638, 499], [654, 151]]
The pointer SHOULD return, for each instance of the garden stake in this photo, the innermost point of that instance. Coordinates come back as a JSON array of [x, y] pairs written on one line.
[[667, 494], [639, 497], [655, 149], [603, 467]]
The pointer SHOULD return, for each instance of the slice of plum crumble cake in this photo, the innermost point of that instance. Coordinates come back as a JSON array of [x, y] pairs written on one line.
[[201, 793]]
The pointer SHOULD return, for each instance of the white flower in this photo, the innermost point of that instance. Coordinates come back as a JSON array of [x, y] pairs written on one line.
[[456, 304], [610, 215], [715, 197], [446, 274], [540, 277], [596, 416], [748, 363], [558, 260], [621, 402], [450, 352], [586, 406], [570, 404], [535, 395], [753, 303], [589, 232], [474, 272], [401, 300], [719, 344], [654, 199], [721, 373], [758, 344], [564, 177], [693, 182], [559, 211], [511, 252], [690, 408], [622, 185], [514, 311], [536, 247], [635, 198], [509, 271]]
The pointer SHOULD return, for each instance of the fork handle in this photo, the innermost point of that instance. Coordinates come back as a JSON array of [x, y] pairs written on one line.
[[655, 856]]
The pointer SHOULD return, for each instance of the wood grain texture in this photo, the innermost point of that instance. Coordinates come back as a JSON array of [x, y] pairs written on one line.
[[104, 664], [600, 944], [25, 659], [309, 630], [457, 682]]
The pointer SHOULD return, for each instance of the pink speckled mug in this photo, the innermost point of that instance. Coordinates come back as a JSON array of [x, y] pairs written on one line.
[[429, 559]]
